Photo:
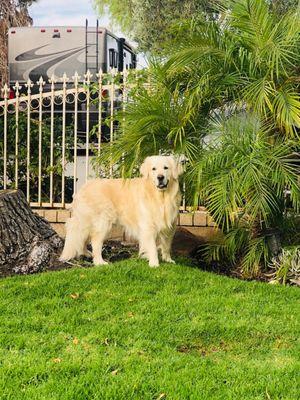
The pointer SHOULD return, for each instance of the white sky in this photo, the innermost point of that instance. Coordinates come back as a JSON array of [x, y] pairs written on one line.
[[67, 12]]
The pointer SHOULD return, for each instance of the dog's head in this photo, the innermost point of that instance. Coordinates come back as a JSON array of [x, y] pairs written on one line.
[[161, 170]]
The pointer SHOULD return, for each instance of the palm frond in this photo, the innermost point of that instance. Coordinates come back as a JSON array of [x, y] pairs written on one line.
[[287, 110]]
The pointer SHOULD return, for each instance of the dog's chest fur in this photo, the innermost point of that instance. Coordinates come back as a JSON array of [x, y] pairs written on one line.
[[167, 208]]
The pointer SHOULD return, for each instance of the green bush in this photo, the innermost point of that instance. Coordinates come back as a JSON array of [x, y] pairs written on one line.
[[241, 176], [286, 266]]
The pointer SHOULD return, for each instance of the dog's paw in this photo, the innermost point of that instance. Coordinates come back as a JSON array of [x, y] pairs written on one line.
[[168, 260], [100, 262], [143, 256], [63, 259], [154, 264], [87, 253]]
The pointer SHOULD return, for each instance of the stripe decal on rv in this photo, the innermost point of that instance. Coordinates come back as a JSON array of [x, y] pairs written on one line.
[[42, 69], [31, 54]]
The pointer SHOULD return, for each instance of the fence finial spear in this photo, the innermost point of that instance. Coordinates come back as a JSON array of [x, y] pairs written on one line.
[[29, 85], [88, 76], [64, 79], [17, 88], [5, 91], [52, 79], [76, 78], [41, 83], [99, 74], [100, 77]]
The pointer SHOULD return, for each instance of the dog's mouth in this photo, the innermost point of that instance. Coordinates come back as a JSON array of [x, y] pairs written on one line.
[[162, 185]]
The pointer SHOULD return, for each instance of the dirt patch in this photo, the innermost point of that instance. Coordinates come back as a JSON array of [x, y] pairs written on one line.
[[113, 250], [185, 243], [200, 349]]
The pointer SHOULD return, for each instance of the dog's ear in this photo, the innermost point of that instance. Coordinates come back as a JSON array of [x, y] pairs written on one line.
[[144, 169], [177, 166]]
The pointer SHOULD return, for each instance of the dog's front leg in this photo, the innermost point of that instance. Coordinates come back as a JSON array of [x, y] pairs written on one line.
[[148, 247]]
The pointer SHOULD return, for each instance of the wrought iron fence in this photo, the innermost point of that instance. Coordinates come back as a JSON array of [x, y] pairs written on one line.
[[50, 131]]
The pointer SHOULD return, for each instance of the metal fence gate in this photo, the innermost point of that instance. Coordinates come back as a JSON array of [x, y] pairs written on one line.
[[49, 132]]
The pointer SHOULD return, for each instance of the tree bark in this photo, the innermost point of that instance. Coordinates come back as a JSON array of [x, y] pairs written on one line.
[[28, 244]]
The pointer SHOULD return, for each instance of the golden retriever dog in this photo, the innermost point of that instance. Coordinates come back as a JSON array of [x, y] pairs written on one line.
[[145, 207]]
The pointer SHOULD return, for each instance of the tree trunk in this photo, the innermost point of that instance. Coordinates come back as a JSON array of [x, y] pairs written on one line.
[[28, 244]]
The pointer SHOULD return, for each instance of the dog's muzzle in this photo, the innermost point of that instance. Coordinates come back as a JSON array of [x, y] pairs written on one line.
[[162, 184]]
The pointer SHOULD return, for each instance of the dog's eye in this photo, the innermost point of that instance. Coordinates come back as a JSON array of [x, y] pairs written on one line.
[[153, 169], [166, 167]]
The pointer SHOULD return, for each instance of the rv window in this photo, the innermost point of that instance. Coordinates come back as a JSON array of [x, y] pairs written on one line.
[[116, 59], [133, 59], [111, 58]]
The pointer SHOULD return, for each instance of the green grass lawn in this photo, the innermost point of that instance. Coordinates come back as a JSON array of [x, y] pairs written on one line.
[[126, 331]]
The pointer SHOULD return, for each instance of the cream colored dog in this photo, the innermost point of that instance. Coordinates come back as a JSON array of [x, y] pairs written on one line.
[[146, 207]]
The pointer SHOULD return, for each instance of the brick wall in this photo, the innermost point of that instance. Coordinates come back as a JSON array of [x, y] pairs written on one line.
[[193, 221]]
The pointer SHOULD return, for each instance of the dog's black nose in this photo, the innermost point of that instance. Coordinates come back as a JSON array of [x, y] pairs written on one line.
[[160, 177]]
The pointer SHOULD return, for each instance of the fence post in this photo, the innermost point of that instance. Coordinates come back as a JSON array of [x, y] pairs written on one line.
[[52, 81], [29, 85], [124, 101], [112, 97], [99, 75], [87, 81], [17, 88], [5, 94], [63, 153], [41, 84], [76, 78]]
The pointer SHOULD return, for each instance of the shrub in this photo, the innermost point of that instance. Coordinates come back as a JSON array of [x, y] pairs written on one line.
[[286, 266]]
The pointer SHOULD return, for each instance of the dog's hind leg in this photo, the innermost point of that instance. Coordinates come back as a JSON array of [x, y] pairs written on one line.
[[76, 237], [142, 252], [98, 235], [86, 253], [165, 242]]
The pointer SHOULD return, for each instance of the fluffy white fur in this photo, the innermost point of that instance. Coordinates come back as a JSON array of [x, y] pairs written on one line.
[[146, 207]]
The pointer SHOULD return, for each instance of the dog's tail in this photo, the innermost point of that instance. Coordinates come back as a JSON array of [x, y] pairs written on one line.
[[76, 237]]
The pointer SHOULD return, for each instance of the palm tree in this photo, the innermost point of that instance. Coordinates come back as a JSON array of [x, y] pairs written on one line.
[[242, 66], [250, 56], [242, 179]]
